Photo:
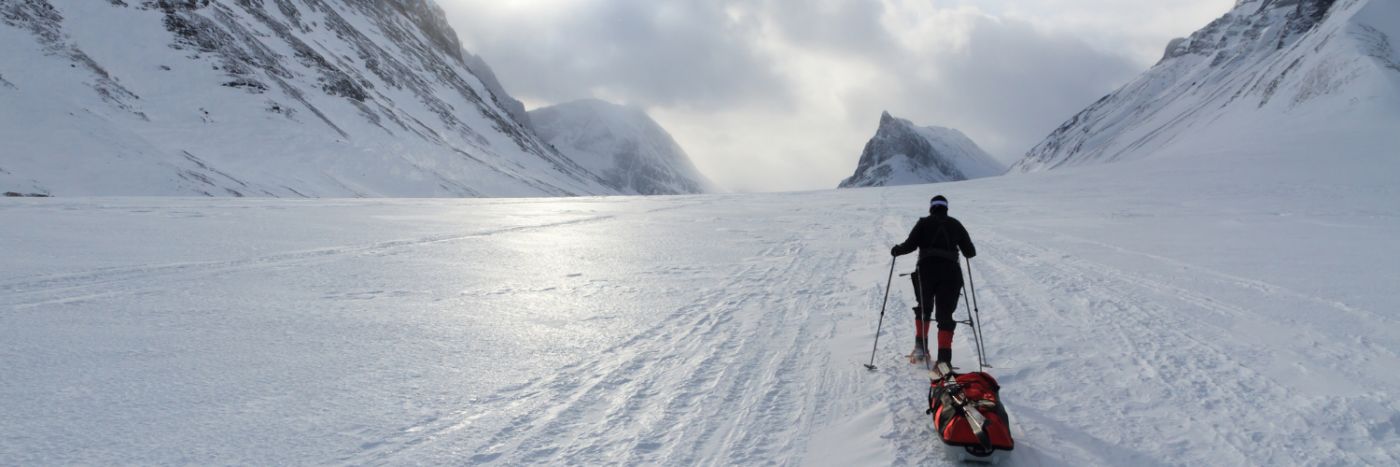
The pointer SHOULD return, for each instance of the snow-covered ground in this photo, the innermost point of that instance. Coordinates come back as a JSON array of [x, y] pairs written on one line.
[[1158, 312]]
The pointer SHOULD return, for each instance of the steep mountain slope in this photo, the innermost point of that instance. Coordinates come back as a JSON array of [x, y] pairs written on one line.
[[1328, 68], [904, 154], [266, 98], [629, 150], [482, 70]]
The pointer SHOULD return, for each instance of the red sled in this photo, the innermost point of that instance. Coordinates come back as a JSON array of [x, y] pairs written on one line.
[[968, 414]]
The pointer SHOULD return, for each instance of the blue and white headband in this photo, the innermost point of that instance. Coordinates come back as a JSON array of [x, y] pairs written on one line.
[[937, 203]]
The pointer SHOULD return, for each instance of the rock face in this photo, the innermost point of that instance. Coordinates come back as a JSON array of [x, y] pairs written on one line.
[[904, 154], [260, 98], [1268, 65], [629, 150]]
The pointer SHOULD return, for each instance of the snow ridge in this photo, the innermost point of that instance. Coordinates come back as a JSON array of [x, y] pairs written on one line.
[[902, 153], [631, 152], [277, 98], [1321, 66]]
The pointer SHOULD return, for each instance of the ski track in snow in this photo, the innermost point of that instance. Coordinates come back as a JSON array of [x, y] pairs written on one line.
[[1162, 351], [744, 348], [672, 386]]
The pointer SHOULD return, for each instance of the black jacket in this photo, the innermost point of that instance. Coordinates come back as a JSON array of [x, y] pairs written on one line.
[[938, 238]]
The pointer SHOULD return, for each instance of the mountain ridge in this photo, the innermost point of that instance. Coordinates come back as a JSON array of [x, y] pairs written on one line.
[[284, 98], [902, 153], [1313, 64]]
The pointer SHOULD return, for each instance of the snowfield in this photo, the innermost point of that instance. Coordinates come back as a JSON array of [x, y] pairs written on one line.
[[1212, 308]]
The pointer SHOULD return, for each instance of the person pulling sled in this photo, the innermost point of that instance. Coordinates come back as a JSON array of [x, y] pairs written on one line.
[[966, 408], [938, 277]]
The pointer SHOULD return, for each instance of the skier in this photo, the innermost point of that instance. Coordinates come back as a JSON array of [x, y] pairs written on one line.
[[938, 277]]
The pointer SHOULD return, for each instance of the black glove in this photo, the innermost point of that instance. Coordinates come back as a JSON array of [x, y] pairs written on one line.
[[894, 251]]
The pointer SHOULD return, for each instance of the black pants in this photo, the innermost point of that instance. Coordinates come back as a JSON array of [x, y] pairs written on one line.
[[937, 284]]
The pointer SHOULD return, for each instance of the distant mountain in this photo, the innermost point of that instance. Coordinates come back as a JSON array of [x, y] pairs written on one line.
[[1327, 68], [630, 151], [902, 153], [314, 98]]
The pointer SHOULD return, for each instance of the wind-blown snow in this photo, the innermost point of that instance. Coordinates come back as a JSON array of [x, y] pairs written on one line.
[[1191, 310], [630, 151]]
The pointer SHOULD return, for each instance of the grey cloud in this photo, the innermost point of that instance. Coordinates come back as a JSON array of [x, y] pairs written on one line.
[[846, 26], [710, 65], [1012, 85], [674, 53]]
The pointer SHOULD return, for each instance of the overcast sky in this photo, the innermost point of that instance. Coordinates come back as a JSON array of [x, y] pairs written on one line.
[[779, 95]]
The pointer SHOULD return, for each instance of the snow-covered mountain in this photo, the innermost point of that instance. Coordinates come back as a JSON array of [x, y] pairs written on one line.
[[630, 151], [902, 153], [1327, 68], [259, 98]]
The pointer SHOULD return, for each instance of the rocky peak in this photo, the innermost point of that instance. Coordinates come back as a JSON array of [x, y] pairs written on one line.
[[1252, 21], [902, 153], [886, 118], [430, 18]]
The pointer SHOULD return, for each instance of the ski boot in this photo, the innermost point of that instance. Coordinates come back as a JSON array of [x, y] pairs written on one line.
[[918, 355]]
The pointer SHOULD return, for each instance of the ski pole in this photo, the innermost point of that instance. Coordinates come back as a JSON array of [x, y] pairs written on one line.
[[976, 314], [871, 366], [976, 332]]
